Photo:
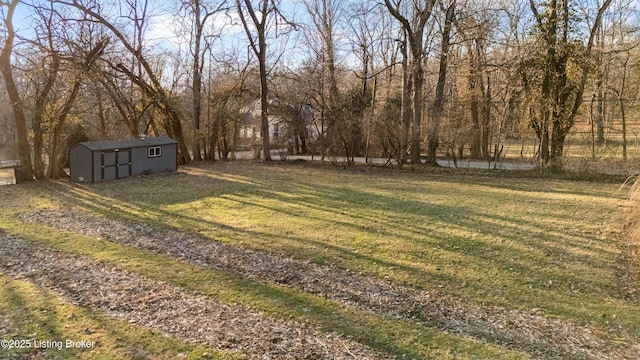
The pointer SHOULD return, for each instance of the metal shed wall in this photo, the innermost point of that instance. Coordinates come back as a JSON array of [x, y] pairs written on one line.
[[142, 163], [110, 160], [80, 164]]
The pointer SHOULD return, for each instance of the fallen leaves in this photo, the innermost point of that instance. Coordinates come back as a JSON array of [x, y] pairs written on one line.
[[521, 330], [160, 306]]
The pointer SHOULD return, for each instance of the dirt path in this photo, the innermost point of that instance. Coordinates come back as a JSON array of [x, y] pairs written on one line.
[[523, 331], [155, 305]]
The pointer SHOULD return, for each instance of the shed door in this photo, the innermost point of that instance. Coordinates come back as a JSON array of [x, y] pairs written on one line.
[[124, 164], [108, 165], [116, 164]]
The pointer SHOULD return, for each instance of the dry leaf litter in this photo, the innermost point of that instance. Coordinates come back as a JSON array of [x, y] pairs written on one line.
[[540, 336], [160, 306]]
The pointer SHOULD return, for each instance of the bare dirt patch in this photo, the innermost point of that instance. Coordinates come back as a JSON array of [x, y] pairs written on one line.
[[524, 331], [156, 305]]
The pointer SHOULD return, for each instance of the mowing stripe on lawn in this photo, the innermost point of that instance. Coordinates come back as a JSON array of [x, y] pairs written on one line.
[[393, 336]]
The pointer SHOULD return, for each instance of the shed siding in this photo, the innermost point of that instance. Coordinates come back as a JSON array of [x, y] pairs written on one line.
[[97, 166], [143, 164], [95, 161], [80, 164]]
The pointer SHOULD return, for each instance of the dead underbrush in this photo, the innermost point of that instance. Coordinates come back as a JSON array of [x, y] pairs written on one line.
[[540, 336]]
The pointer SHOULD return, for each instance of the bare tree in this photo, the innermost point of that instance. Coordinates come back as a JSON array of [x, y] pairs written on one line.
[[226, 86], [198, 13], [474, 27], [150, 84], [388, 46], [86, 61], [438, 102], [413, 25], [46, 69], [615, 39], [561, 96], [24, 172], [293, 109], [58, 60], [257, 34], [324, 14]]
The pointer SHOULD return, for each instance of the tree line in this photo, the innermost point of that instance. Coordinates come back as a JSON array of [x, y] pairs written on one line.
[[407, 80]]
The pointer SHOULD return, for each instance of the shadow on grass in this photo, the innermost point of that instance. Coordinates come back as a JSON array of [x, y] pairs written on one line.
[[528, 257], [384, 334], [36, 322]]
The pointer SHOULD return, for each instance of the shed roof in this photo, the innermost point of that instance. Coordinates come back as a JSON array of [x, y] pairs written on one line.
[[128, 143]]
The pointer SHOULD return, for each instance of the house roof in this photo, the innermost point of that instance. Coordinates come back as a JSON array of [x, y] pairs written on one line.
[[126, 144]]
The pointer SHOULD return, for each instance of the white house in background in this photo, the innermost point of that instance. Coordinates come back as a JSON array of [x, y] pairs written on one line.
[[250, 121]]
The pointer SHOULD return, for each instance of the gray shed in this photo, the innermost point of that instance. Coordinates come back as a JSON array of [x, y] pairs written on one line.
[[95, 161]]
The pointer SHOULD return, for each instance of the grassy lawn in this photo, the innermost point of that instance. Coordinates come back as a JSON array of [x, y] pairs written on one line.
[[548, 246]]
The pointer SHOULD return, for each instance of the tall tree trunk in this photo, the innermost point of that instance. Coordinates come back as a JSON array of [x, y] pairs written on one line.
[[406, 109], [543, 150], [55, 165], [323, 14], [39, 116], [102, 125], [264, 97], [197, 104], [24, 172], [624, 127], [260, 49], [474, 69], [418, 83], [199, 143], [601, 85], [486, 116], [600, 117], [621, 99], [438, 103]]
